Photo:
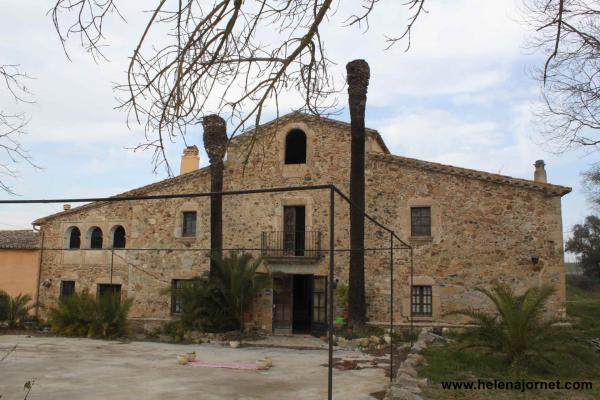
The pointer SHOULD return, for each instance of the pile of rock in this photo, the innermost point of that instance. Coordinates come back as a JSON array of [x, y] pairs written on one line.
[[366, 343], [407, 384]]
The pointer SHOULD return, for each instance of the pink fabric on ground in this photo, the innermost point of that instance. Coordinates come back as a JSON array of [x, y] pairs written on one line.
[[237, 365]]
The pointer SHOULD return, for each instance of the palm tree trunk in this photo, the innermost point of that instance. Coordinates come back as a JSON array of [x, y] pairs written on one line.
[[215, 144], [358, 74]]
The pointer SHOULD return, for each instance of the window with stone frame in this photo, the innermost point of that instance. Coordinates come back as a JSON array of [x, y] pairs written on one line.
[[67, 288], [421, 301], [420, 221], [105, 289], [177, 286], [74, 238], [96, 238], [295, 147], [188, 228], [119, 237]]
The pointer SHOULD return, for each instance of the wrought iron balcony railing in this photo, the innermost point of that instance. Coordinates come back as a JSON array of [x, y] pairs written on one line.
[[291, 244]]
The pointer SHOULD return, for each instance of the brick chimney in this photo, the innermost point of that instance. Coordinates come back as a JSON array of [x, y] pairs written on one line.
[[540, 172], [190, 161]]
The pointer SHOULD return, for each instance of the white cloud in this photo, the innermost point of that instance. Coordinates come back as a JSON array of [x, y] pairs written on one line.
[[452, 98]]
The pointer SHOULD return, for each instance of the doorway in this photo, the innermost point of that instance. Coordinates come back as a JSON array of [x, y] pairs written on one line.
[[300, 304], [294, 227], [301, 301]]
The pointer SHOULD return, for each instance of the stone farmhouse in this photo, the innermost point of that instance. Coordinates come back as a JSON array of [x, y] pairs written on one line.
[[467, 228]]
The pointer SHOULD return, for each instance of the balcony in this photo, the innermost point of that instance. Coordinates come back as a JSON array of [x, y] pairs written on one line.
[[287, 246]]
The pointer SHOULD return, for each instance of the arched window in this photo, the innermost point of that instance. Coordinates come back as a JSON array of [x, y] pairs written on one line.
[[118, 237], [96, 238], [295, 147], [73, 238]]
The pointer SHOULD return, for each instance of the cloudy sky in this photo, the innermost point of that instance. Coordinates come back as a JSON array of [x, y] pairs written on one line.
[[463, 95]]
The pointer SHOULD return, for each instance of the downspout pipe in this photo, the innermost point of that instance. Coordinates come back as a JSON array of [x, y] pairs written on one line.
[[39, 273]]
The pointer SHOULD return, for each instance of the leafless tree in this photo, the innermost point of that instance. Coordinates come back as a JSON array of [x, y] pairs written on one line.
[[12, 125], [568, 31], [591, 183], [229, 57]]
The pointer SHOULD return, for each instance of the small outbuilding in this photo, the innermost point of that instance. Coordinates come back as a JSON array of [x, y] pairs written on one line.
[[19, 262]]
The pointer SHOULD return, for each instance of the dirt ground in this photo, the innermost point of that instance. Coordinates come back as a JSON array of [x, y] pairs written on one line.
[[85, 369]]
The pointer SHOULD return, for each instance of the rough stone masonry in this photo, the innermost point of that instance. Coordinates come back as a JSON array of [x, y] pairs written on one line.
[[483, 229]]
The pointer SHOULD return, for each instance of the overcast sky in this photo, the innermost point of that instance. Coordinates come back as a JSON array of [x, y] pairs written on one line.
[[463, 95]]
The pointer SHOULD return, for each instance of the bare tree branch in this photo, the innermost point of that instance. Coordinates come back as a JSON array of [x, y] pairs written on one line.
[[12, 126], [568, 32], [234, 58]]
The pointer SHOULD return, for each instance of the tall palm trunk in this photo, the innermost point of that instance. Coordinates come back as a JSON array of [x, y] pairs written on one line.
[[215, 144], [358, 74]]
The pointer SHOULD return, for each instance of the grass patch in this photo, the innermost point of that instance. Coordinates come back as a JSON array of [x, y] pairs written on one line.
[[584, 307], [579, 363]]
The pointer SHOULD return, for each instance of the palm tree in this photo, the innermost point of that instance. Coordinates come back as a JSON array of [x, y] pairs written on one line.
[[215, 144], [517, 329], [358, 81], [18, 310], [240, 282]]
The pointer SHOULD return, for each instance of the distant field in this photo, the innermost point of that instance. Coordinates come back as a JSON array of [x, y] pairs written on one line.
[[572, 268]]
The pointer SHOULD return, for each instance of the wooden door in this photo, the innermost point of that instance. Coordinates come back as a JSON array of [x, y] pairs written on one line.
[[294, 226], [282, 304], [319, 306]]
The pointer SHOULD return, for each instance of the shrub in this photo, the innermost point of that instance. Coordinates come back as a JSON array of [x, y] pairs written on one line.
[[341, 295], [74, 314], [217, 304], [111, 317], [14, 310], [203, 309], [81, 314], [239, 282], [516, 330]]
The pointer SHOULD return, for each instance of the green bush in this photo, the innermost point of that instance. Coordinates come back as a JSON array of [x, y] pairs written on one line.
[[14, 310], [18, 310], [239, 283], [217, 304], [111, 316], [82, 314], [516, 330], [203, 309]]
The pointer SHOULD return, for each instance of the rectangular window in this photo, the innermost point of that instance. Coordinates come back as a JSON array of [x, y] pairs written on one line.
[[67, 288], [177, 285], [421, 301], [189, 224], [319, 299], [108, 289], [420, 221]]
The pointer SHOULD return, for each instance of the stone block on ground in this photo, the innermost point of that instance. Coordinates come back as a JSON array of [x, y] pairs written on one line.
[[408, 370], [399, 393], [404, 379]]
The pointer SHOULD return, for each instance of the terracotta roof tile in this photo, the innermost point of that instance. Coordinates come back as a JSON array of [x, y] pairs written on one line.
[[547, 188], [19, 239]]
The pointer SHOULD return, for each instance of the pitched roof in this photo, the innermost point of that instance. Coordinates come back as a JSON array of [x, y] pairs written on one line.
[[134, 192], [387, 156], [19, 239], [314, 118], [547, 188]]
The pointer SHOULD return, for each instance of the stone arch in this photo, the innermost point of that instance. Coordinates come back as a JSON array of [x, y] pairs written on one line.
[[73, 238]]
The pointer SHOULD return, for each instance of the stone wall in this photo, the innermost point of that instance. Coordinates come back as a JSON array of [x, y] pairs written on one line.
[[483, 231]]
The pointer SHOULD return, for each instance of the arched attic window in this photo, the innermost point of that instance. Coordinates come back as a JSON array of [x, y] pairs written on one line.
[[96, 238], [118, 237], [73, 237], [295, 147]]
